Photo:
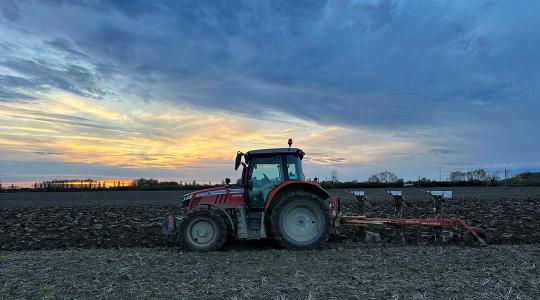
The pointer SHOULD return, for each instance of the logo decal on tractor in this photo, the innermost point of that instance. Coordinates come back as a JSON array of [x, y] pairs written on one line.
[[219, 192]]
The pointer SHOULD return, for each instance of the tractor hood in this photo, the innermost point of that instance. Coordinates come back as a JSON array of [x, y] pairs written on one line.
[[213, 195], [219, 190]]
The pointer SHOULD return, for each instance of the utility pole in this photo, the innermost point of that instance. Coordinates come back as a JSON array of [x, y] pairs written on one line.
[[440, 174]]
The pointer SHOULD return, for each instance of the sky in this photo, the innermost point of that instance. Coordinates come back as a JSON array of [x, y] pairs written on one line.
[[172, 89]]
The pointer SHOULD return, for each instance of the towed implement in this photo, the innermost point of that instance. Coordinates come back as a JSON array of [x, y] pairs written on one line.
[[471, 235], [272, 200]]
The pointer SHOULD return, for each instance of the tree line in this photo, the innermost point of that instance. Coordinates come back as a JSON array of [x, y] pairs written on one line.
[[379, 180], [478, 177]]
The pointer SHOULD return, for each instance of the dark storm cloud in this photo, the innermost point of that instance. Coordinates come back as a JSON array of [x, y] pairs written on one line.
[[404, 66]]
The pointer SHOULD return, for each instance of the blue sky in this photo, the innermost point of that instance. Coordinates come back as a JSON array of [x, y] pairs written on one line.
[[172, 89]]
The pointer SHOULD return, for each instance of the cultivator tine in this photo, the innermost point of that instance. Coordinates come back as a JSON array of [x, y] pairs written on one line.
[[475, 234], [399, 201], [362, 201], [480, 240]]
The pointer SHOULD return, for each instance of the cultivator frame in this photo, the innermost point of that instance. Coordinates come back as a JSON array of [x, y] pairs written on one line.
[[439, 198]]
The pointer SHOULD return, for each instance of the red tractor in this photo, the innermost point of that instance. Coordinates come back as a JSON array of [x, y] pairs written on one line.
[[273, 200]]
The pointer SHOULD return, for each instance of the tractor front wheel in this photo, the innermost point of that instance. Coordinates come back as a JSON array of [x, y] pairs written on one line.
[[300, 220], [203, 231]]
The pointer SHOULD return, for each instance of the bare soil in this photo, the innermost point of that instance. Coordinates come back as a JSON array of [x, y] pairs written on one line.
[[341, 272], [132, 219]]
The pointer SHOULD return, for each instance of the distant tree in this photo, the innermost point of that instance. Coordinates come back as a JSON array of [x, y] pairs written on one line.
[[456, 176], [384, 177], [374, 178], [478, 174], [334, 176], [144, 183]]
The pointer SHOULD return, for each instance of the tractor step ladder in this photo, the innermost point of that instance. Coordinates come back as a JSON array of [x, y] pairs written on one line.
[[250, 224]]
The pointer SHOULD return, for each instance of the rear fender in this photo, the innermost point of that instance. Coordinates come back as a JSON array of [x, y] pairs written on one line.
[[293, 185]]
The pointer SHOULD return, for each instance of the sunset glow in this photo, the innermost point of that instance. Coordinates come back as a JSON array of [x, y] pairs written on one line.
[[166, 137]]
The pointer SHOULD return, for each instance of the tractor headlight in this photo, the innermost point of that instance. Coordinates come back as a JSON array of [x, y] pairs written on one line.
[[185, 202]]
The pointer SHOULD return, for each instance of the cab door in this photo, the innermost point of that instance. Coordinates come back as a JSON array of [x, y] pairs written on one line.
[[264, 174]]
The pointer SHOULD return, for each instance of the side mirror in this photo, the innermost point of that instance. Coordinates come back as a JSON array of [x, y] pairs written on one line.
[[238, 160], [227, 181]]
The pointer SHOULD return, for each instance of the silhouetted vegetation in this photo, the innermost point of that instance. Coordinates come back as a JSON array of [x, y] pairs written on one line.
[[358, 184], [383, 179], [143, 184], [524, 179], [82, 185]]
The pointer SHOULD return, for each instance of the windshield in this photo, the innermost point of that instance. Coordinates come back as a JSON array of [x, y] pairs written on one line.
[[294, 168], [265, 170]]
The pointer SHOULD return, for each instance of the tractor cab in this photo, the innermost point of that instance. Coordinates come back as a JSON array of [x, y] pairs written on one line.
[[263, 170]]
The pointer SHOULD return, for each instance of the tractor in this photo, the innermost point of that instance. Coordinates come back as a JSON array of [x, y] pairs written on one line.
[[271, 200]]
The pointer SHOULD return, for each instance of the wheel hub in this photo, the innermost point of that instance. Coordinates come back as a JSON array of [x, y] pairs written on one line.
[[202, 232], [302, 223]]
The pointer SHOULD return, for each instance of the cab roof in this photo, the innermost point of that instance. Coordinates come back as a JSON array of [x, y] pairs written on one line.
[[275, 151]]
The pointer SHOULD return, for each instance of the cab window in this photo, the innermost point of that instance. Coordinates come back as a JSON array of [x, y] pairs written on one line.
[[294, 168], [264, 175]]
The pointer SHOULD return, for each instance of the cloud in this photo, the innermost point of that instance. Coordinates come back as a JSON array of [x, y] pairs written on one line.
[[433, 75], [65, 45], [162, 136], [441, 152], [71, 78], [9, 10]]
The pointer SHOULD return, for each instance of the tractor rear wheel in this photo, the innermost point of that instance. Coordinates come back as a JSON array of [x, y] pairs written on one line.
[[203, 231], [300, 221]]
